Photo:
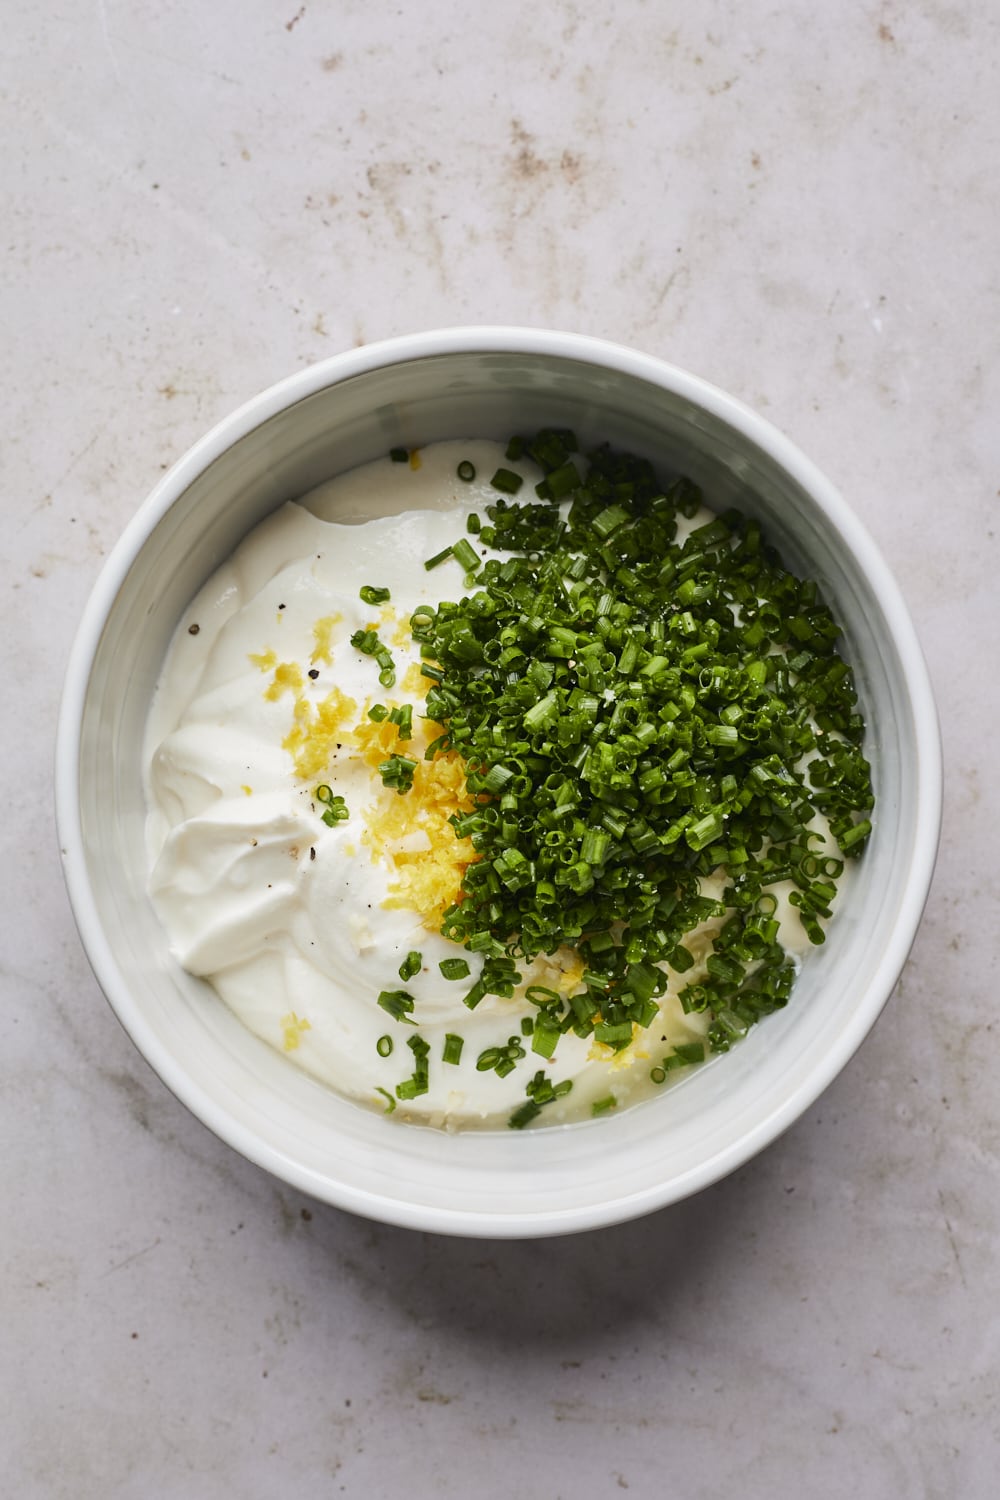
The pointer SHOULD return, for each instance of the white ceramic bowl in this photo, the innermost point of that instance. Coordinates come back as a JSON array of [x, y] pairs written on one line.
[[350, 409]]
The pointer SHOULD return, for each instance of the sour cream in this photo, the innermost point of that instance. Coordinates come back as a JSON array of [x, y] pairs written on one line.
[[298, 925]]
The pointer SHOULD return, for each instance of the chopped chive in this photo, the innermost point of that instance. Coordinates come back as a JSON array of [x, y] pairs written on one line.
[[466, 471], [391, 1105], [454, 968], [402, 717], [418, 1084], [336, 809], [370, 594], [412, 964], [690, 1052], [398, 1003], [465, 554], [384, 1046], [452, 1048], [397, 772], [506, 481], [603, 1106], [439, 557]]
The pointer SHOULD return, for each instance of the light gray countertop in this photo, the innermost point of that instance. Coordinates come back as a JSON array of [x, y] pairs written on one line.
[[798, 203]]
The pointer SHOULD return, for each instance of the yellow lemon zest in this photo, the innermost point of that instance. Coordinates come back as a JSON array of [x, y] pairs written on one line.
[[396, 627], [428, 880], [292, 1028], [265, 661], [414, 680], [322, 633], [316, 731], [287, 679]]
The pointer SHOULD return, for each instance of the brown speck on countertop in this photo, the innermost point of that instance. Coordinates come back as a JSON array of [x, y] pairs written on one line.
[[291, 25], [527, 163]]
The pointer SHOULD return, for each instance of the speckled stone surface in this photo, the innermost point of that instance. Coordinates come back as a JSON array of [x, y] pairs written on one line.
[[797, 202]]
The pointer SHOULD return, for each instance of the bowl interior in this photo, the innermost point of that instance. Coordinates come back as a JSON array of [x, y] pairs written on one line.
[[542, 1181]]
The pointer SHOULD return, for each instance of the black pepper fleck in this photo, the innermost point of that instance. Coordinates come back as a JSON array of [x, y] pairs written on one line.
[[193, 629], [312, 853], [281, 606], [314, 673]]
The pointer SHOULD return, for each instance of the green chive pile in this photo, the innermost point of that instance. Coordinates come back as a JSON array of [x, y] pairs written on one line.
[[636, 712]]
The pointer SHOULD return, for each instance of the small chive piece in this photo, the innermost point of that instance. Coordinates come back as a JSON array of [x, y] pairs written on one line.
[[454, 968], [336, 808], [439, 557], [466, 471], [465, 554], [603, 1106], [418, 1084], [386, 1095], [506, 481], [370, 593], [690, 1052], [402, 717], [398, 1004], [540, 1091], [384, 1046], [368, 643], [452, 1048], [397, 772], [412, 964], [399, 455]]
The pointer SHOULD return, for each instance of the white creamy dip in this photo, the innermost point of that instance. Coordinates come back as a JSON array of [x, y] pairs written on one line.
[[288, 917]]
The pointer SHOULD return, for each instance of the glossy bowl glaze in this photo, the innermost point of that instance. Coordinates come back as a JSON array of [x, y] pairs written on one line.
[[485, 382]]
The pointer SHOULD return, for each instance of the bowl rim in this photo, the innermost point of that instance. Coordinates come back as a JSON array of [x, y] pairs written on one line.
[[529, 342]]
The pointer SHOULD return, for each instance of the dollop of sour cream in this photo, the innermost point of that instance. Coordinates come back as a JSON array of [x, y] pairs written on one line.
[[300, 924]]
